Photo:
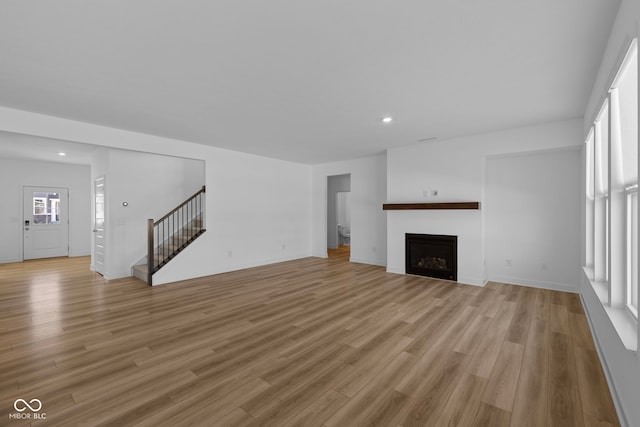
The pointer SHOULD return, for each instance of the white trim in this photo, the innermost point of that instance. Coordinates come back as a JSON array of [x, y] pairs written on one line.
[[393, 270], [629, 191], [553, 286], [462, 280], [625, 325], [622, 321], [566, 148], [472, 281], [631, 51], [605, 367], [235, 267], [378, 262], [590, 149]]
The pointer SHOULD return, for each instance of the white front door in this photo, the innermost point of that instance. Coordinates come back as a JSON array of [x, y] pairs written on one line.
[[46, 222], [98, 226]]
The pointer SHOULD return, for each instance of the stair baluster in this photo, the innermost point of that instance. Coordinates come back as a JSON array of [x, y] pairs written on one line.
[[169, 235]]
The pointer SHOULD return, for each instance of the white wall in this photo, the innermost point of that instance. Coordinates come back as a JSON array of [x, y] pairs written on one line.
[[152, 185], [456, 169], [14, 174], [258, 212], [368, 221], [530, 208], [621, 365], [255, 205]]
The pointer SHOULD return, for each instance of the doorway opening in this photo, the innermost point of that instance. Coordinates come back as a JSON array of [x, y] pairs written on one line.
[[339, 216]]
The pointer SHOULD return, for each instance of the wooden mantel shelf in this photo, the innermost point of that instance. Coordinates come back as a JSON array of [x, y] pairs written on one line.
[[446, 205]]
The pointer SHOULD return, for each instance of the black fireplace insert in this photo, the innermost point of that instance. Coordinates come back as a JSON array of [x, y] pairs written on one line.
[[432, 255]]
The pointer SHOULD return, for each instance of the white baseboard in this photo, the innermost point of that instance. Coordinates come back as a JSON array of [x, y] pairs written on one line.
[[380, 263], [117, 275], [395, 270], [473, 281], [465, 280], [236, 267], [563, 287]]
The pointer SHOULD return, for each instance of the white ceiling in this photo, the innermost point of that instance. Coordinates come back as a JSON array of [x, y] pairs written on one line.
[[306, 81], [21, 147]]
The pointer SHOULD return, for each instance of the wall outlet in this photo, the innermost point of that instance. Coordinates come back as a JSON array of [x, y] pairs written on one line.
[[507, 263], [373, 249], [434, 193], [284, 247], [230, 254], [425, 194]]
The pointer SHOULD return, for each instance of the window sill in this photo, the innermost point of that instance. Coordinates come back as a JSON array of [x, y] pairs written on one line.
[[600, 288], [623, 321], [625, 325]]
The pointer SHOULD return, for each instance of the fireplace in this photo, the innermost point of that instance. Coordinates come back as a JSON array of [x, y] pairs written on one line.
[[432, 255]]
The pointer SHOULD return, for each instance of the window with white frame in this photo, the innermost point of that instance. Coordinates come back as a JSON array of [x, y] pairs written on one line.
[[46, 208], [601, 196], [632, 251], [39, 206], [624, 131], [590, 199], [612, 213]]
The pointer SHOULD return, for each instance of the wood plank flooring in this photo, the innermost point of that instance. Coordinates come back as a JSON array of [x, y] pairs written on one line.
[[311, 342]]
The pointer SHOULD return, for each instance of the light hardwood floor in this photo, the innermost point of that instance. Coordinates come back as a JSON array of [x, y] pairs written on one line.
[[304, 343]]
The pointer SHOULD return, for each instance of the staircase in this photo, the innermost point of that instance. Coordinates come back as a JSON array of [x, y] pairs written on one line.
[[169, 235]]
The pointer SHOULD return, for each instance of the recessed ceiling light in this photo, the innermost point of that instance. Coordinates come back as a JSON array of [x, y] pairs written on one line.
[[62, 154], [387, 119]]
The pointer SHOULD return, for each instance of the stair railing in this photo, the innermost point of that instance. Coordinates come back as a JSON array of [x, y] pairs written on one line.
[[173, 232]]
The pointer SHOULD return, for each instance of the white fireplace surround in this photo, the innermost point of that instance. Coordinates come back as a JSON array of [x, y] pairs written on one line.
[[527, 230]]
